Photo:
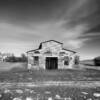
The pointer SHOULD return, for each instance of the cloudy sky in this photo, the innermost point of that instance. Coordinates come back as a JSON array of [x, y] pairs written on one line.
[[26, 23]]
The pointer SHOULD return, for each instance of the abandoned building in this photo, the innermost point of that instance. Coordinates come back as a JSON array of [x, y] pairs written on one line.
[[51, 55]]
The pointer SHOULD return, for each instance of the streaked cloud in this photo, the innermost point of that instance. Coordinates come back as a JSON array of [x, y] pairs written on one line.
[[42, 32], [24, 25]]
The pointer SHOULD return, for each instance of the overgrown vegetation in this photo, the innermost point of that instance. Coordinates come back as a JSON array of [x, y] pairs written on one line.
[[13, 58], [97, 61]]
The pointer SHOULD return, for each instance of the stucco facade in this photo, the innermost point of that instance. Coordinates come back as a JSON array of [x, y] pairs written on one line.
[[51, 55]]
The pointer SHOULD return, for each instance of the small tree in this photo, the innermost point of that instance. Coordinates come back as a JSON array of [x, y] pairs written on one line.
[[11, 58], [97, 61], [23, 58]]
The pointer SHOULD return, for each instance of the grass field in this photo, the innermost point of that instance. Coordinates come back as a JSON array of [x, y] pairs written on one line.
[[17, 73], [88, 62], [23, 75], [6, 66]]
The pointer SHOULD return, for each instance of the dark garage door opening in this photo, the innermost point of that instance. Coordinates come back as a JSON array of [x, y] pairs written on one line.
[[51, 63]]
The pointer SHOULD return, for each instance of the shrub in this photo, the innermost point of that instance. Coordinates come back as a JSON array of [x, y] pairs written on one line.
[[97, 61], [23, 58]]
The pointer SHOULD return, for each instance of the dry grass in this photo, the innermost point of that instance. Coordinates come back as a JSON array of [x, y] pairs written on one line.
[[21, 74], [6, 66], [17, 72]]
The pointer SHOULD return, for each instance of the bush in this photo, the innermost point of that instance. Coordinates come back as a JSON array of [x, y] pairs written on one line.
[[10, 59], [23, 58], [97, 61]]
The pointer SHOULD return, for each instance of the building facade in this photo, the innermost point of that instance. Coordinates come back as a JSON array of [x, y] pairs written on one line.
[[51, 55]]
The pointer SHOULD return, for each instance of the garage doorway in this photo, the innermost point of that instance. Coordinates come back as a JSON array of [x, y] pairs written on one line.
[[51, 63]]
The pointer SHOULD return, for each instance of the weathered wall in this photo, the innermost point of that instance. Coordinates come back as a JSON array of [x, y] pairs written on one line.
[[52, 45], [50, 49]]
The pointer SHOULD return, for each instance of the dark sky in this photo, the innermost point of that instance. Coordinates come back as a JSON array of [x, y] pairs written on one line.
[[26, 23]]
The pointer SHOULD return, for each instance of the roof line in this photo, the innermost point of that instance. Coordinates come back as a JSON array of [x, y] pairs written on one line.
[[69, 50], [51, 40], [32, 50]]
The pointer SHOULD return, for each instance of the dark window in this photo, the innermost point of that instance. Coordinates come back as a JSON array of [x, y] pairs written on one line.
[[48, 52], [36, 60], [77, 60], [66, 60], [37, 52], [61, 53]]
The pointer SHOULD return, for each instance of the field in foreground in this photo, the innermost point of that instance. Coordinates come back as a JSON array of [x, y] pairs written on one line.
[[72, 84], [50, 93], [20, 75]]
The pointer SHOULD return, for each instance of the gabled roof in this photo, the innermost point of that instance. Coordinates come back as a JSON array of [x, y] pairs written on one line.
[[69, 50], [51, 40], [40, 46], [62, 48]]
